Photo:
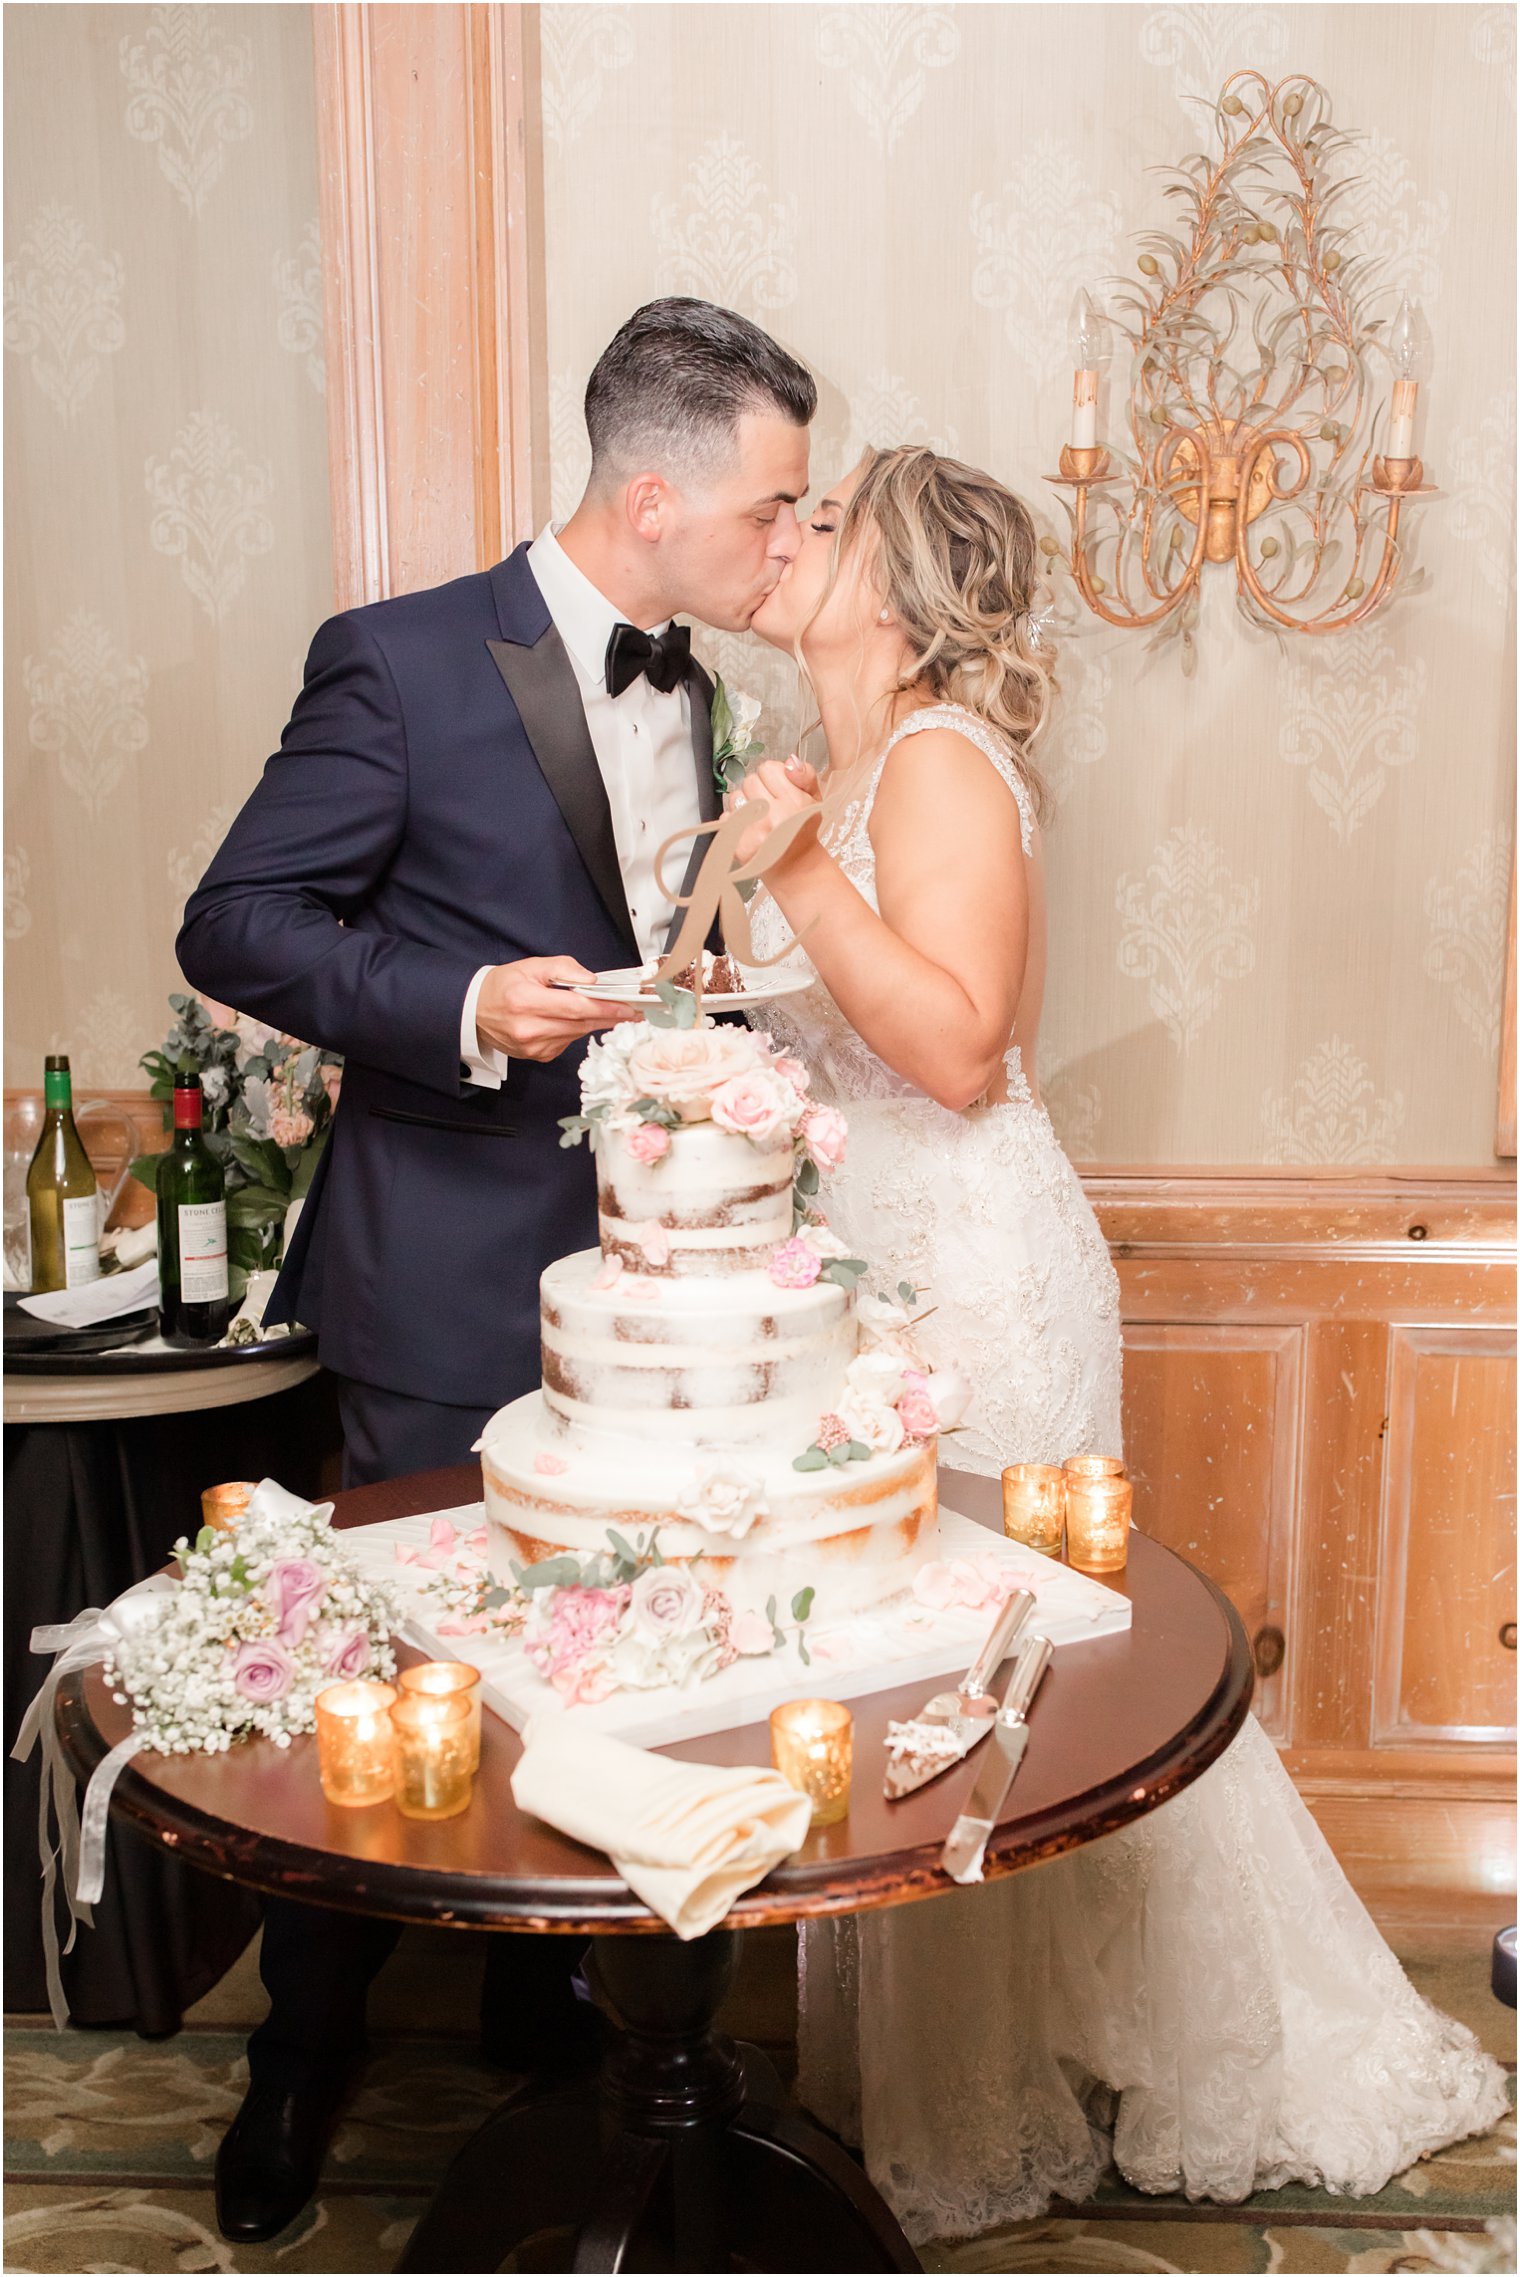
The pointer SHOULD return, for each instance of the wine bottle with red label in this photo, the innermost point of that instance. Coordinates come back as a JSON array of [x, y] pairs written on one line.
[[192, 1229]]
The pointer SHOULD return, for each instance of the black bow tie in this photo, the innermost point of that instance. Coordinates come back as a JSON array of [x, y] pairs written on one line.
[[664, 662]]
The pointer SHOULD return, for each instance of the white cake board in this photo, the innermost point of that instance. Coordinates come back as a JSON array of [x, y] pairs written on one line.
[[903, 1644]]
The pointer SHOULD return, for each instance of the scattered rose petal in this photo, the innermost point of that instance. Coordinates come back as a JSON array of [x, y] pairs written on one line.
[[406, 1553], [550, 1466], [477, 1540], [442, 1535], [607, 1273]]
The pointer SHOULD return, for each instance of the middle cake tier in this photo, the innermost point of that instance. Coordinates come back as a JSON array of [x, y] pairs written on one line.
[[696, 1362]]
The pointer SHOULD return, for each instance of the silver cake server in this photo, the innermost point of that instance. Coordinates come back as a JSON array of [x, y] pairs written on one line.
[[949, 1725], [963, 1852]]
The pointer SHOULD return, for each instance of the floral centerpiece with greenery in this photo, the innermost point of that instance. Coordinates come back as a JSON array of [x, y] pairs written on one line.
[[269, 1103]]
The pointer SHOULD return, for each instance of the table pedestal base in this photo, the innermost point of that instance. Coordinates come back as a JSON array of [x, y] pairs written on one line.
[[684, 2155]]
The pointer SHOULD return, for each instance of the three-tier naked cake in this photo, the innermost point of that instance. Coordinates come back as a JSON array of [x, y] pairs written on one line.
[[709, 1370]]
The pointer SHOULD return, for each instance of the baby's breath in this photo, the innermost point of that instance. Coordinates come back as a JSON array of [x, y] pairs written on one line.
[[178, 1667]]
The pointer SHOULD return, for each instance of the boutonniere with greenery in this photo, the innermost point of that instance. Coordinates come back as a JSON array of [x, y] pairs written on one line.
[[735, 747]]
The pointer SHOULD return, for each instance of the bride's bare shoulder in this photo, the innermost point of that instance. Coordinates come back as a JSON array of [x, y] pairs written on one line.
[[941, 771]]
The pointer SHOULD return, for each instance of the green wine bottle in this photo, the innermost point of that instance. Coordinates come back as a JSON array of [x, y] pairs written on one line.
[[192, 1229], [63, 1196]]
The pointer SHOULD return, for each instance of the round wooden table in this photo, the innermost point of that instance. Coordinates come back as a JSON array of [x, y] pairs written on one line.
[[699, 2146]]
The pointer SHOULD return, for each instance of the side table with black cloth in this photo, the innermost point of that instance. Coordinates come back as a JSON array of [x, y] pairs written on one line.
[[91, 1507]]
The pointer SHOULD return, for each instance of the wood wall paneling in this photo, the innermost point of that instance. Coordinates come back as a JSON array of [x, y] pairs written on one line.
[[427, 123], [1211, 1430], [1446, 1564]]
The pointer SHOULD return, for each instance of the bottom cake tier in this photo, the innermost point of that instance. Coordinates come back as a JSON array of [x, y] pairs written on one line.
[[752, 1526]]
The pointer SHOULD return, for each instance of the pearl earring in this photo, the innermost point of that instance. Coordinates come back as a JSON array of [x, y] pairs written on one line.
[[884, 617]]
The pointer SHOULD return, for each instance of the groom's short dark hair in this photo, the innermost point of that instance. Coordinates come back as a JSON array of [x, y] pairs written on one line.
[[670, 389]]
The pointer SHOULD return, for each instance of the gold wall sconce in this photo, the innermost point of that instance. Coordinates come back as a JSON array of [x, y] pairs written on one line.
[[1256, 430]]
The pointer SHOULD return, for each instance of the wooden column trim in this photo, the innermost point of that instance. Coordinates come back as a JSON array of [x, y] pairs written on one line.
[[432, 231], [1504, 1120]]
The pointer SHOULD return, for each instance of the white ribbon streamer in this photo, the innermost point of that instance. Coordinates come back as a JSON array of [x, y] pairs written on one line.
[[80, 1847]]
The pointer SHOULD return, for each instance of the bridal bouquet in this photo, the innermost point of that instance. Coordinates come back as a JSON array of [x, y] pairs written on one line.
[[259, 1622], [269, 1102], [620, 1620]]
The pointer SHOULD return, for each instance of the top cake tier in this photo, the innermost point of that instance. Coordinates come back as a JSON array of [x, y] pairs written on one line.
[[712, 1204]]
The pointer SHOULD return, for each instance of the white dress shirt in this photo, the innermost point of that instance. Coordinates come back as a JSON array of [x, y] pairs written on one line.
[[642, 741]]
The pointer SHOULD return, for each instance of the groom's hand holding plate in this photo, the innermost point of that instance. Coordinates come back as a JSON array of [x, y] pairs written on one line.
[[531, 1009]]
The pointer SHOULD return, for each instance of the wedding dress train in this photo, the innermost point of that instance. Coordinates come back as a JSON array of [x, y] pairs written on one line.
[[1200, 1997]]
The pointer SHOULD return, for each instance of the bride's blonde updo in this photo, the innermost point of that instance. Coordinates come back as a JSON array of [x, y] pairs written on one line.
[[955, 556]]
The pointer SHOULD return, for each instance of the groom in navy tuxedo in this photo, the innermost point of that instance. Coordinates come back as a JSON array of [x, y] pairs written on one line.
[[465, 806]]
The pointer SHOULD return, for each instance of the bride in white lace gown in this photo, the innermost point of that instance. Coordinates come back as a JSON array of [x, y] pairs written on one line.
[[1201, 1997]]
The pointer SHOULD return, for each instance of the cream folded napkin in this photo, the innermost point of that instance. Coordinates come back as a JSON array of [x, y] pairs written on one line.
[[688, 1838]]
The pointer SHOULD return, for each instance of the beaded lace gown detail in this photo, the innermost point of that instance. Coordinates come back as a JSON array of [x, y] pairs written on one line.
[[1201, 1997]]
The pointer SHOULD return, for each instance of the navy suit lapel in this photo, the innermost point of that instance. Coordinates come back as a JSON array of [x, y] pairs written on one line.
[[540, 679]]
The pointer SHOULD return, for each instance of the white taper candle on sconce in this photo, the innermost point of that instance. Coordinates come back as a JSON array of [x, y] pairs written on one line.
[[1409, 354], [1087, 336]]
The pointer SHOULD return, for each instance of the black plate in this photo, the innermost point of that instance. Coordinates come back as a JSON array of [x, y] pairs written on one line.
[[27, 1337], [117, 1345]]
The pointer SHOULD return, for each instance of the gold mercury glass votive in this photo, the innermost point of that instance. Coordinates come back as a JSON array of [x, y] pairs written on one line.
[[356, 1748], [1093, 1466], [223, 1506], [442, 1679], [812, 1746], [1097, 1523], [433, 1754], [1034, 1506]]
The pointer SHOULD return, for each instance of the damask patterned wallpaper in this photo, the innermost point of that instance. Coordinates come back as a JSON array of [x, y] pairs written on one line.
[[166, 507], [1279, 888]]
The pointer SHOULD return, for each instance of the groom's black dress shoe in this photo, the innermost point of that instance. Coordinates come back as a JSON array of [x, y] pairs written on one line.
[[271, 2157]]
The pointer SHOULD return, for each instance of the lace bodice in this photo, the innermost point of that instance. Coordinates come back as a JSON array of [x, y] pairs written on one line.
[[845, 1069]]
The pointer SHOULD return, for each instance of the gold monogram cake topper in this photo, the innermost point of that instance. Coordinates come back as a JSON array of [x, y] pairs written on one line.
[[714, 889]]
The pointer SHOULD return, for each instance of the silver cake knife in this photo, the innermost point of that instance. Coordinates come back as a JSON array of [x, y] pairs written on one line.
[[963, 1851], [950, 1724]]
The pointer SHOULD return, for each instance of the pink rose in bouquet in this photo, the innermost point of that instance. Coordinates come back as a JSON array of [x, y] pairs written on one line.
[[263, 1670], [648, 1143], [349, 1654], [295, 1588], [290, 1126]]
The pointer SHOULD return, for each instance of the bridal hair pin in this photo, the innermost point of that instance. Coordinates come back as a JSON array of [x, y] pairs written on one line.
[[1039, 624]]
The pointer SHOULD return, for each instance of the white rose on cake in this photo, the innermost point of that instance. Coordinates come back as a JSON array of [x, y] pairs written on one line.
[[876, 1376], [949, 1394], [875, 1424], [666, 1639], [606, 1086], [683, 1067], [724, 1502]]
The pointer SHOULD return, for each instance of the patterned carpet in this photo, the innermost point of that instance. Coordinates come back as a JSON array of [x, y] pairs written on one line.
[[110, 2142]]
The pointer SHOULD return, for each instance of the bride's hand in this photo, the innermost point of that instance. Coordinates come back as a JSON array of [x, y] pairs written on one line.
[[788, 788]]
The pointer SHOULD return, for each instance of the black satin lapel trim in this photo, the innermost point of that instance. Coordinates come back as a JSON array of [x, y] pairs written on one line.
[[700, 692], [542, 684]]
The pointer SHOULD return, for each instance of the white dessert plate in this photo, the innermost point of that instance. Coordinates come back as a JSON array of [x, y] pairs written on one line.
[[633, 986]]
